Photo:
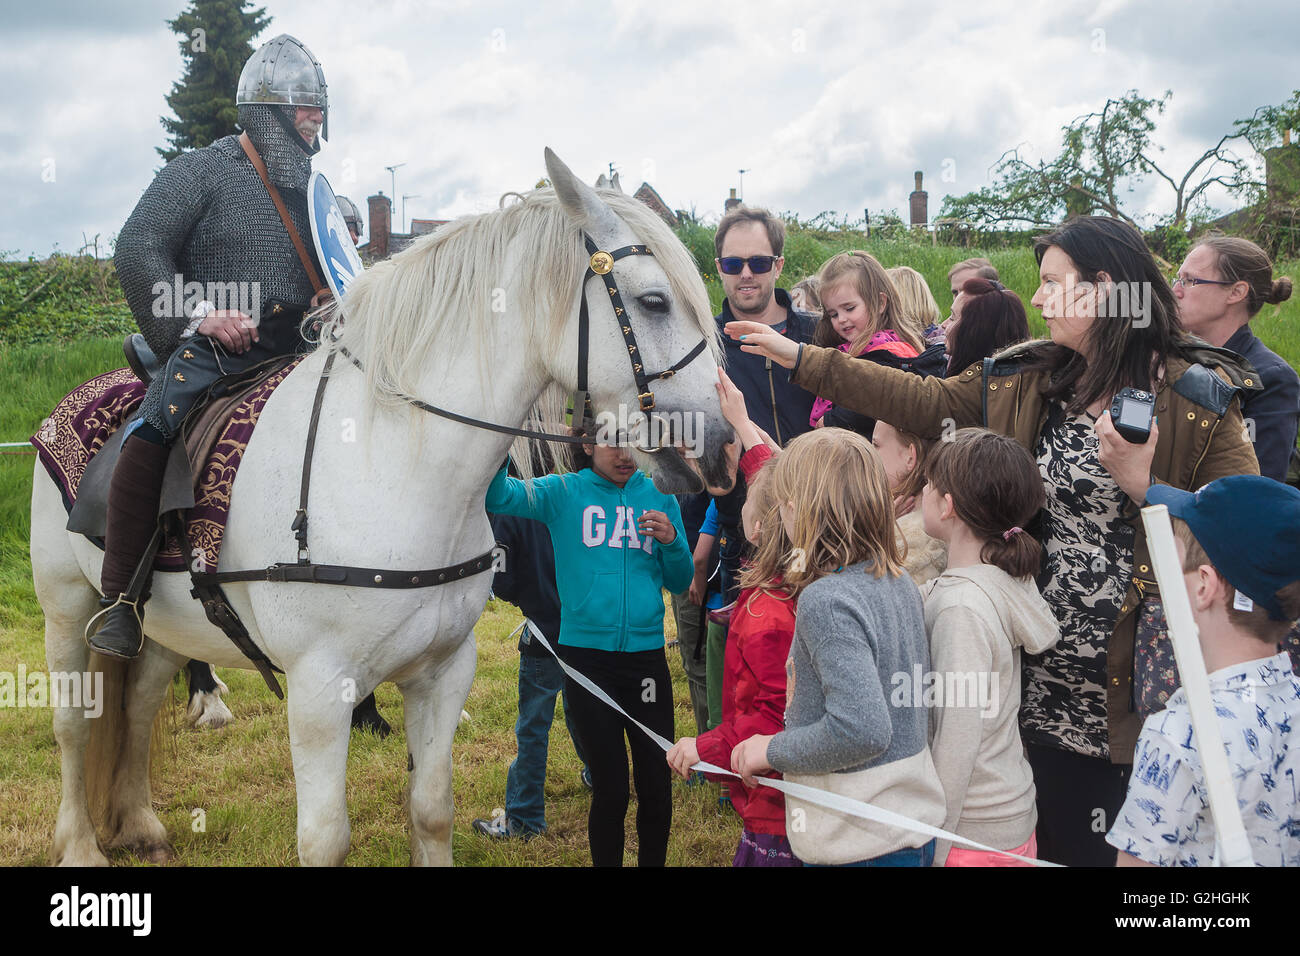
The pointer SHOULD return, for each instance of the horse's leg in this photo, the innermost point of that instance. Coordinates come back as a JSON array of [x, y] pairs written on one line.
[[75, 843], [433, 703], [320, 720], [206, 708], [69, 601], [132, 824]]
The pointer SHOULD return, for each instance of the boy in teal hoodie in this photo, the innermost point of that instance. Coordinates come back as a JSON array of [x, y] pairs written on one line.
[[618, 542]]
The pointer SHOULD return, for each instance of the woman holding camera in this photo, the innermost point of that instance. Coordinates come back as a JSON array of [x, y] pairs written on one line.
[[1114, 326]]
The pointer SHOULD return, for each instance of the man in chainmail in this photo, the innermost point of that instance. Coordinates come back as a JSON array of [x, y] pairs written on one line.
[[351, 216], [214, 281]]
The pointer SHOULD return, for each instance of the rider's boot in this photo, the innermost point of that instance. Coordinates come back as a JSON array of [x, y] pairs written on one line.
[[133, 498]]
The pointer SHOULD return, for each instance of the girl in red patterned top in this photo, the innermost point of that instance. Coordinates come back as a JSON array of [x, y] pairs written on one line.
[[758, 645]]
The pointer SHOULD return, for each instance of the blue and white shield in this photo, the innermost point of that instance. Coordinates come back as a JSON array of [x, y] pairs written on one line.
[[334, 245]]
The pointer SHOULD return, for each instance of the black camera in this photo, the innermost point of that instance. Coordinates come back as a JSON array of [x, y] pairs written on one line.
[[1131, 413]]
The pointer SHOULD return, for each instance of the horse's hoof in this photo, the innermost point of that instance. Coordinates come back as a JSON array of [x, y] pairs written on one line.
[[208, 710], [464, 718], [92, 857], [158, 853], [151, 851], [373, 724]]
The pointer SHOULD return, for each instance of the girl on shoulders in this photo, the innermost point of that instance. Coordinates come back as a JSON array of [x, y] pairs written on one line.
[[860, 317]]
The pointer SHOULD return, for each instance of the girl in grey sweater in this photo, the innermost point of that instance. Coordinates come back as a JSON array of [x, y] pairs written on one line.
[[859, 629]]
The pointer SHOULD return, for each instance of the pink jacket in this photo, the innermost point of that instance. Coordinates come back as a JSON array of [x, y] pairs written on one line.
[[886, 339]]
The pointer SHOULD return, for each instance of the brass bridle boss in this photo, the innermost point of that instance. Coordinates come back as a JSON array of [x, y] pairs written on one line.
[[601, 264]]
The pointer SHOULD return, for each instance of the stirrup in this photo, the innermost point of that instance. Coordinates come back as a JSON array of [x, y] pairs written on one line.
[[92, 629]]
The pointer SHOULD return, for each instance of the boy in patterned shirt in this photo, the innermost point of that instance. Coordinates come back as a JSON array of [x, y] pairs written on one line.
[[1239, 541]]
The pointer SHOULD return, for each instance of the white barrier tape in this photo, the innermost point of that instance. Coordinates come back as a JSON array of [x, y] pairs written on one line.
[[15, 444], [823, 798]]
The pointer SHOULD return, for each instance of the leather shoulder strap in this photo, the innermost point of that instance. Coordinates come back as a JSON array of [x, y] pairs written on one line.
[[251, 151], [984, 396], [1200, 385]]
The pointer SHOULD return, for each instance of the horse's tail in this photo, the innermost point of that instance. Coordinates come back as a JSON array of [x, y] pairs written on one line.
[[106, 748]]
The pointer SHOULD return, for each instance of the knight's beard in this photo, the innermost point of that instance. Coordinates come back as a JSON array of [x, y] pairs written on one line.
[[308, 131]]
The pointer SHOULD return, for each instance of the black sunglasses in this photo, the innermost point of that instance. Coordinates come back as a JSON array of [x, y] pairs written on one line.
[[732, 265]]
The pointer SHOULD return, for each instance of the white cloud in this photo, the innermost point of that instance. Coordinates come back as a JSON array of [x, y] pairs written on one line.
[[829, 106]]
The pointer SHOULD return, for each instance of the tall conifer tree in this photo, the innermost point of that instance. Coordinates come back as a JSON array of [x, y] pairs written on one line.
[[215, 42]]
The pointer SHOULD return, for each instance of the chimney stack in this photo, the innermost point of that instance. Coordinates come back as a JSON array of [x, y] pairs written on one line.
[[731, 203], [381, 222], [919, 202]]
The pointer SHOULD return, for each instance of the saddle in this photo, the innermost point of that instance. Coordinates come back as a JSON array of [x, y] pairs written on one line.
[[201, 467]]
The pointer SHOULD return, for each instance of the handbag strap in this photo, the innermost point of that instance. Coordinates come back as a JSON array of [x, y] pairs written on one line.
[[251, 151], [984, 396]]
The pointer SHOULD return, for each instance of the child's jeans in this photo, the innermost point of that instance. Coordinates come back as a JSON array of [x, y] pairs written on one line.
[[540, 680], [908, 856]]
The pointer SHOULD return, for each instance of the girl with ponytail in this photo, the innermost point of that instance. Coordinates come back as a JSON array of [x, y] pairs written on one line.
[[982, 490]]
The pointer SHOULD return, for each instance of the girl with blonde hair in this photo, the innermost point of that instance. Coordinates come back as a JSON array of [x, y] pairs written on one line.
[[859, 623], [916, 305]]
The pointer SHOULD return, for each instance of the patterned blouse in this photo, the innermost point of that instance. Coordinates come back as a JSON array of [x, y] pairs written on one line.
[[1086, 568]]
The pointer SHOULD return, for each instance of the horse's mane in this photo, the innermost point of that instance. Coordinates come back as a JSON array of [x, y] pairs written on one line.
[[444, 287]]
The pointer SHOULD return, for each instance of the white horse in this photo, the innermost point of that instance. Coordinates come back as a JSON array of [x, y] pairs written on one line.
[[480, 318]]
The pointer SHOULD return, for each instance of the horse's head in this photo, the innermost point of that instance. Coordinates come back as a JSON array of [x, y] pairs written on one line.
[[648, 312]]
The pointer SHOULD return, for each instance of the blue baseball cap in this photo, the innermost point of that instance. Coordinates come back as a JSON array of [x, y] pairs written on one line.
[[1249, 527]]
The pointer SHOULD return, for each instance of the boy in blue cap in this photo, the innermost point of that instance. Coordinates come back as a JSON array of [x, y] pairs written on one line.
[[1239, 541]]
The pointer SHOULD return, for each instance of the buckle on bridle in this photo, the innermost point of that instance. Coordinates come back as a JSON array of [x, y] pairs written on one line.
[[647, 400]]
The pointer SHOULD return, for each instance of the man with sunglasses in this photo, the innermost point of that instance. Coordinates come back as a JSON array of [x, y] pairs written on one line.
[[749, 243]]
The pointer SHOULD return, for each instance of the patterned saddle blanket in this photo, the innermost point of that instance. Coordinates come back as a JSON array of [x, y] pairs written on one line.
[[88, 417]]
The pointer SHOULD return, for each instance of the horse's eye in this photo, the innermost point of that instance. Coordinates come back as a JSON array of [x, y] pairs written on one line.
[[653, 302]]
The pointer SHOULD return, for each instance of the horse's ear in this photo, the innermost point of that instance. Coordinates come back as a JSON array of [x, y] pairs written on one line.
[[579, 200]]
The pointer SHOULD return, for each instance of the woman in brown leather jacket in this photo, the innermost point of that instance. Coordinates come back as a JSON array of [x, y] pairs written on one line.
[[1113, 323]]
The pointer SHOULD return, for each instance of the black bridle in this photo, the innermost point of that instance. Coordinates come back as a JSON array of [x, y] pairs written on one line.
[[599, 264], [602, 264]]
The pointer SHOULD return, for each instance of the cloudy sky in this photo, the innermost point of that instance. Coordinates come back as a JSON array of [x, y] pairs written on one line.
[[827, 106]]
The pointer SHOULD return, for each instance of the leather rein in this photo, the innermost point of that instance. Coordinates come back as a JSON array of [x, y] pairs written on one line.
[[304, 570]]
